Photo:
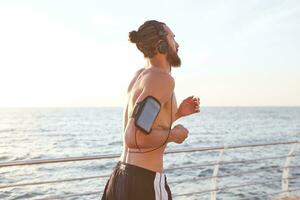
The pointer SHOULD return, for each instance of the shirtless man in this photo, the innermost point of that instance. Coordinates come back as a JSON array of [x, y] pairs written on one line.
[[139, 172]]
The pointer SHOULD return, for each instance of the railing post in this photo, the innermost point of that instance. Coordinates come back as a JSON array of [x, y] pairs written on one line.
[[213, 194], [285, 171]]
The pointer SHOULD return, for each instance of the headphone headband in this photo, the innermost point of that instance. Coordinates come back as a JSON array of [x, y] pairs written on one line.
[[160, 30], [162, 45]]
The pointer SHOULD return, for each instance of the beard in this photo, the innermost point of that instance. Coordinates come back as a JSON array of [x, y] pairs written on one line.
[[173, 59]]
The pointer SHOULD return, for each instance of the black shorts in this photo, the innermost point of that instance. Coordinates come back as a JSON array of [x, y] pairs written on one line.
[[130, 182]]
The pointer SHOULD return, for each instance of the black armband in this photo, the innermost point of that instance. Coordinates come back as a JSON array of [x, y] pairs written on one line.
[[145, 113]]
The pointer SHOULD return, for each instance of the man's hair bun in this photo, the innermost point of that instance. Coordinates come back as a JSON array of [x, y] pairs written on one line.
[[133, 37], [147, 37]]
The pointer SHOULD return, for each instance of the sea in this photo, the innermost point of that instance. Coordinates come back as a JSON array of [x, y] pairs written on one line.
[[48, 133]]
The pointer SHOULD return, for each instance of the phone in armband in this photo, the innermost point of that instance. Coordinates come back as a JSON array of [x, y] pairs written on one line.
[[145, 113]]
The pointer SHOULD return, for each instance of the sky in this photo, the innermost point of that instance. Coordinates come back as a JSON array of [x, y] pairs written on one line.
[[68, 53]]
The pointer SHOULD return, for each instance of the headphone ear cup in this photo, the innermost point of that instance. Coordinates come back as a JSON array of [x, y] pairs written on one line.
[[163, 47]]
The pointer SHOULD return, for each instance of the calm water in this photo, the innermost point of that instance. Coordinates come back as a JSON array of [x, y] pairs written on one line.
[[39, 133]]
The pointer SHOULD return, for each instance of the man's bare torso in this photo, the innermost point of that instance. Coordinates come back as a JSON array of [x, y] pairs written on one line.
[[151, 160]]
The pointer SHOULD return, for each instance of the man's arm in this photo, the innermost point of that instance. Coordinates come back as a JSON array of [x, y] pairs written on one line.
[[160, 86]]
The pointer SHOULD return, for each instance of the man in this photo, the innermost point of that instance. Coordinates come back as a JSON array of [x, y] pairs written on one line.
[[139, 173]]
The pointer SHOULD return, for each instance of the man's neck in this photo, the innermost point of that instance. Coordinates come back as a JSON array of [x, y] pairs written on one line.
[[163, 64]]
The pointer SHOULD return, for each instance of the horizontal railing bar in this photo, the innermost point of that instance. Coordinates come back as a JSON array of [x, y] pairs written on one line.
[[57, 160], [224, 188], [293, 166], [222, 176], [291, 178], [54, 181], [271, 194], [290, 190], [70, 195], [229, 147], [227, 162], [110, 156]]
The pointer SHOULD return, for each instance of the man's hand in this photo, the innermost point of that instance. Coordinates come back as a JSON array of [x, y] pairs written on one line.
[[178, 134], [188, 106]]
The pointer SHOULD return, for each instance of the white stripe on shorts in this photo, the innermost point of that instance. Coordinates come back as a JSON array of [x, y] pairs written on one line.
[[159, 187]]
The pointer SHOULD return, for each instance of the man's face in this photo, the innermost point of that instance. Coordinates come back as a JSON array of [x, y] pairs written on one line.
[[172, 55]]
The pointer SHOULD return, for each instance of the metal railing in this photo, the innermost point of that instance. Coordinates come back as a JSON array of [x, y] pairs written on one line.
[[214, 178]]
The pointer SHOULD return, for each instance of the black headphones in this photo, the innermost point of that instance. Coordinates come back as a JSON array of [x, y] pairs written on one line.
[[162, 45]]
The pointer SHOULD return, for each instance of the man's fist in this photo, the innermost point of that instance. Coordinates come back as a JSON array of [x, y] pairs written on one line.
[[179, 133]]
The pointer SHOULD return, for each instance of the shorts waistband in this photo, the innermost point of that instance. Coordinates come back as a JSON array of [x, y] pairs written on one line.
[[135, 169]]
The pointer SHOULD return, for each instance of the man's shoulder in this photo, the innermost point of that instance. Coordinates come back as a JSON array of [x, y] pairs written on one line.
[[153, 80], [158, 81], [158, 76]]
